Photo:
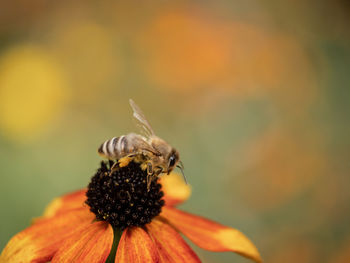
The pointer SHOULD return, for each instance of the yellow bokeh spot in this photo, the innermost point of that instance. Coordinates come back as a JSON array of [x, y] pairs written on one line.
[[90, 53], [32, 92]]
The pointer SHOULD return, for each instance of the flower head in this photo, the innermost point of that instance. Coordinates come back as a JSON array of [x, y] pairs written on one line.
[[117, 219], [121, 199]]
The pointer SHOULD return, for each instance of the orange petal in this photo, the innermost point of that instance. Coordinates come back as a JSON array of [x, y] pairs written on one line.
[[39, 242], [210, 235], [171, 246], [136, 246], [91, 244], [65, 203], [175, 190]]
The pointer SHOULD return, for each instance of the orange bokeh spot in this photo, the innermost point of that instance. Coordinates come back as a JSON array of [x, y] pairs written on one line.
[[281, 165], [204, 56], [184, 51], [300, 251], [343, 255]]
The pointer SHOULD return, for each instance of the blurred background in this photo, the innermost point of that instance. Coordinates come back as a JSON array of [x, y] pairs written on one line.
[[254, 95]]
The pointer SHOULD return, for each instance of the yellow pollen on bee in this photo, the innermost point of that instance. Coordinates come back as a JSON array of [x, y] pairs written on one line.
[[124, 161], [143, 166]]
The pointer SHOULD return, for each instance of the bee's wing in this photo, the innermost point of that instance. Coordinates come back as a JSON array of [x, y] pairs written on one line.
[[142, 143], [138, 115]]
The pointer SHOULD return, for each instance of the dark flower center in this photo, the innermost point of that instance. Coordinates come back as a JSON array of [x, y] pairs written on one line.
[[122, 198]]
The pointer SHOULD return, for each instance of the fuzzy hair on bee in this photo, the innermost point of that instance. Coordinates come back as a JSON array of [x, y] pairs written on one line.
[[152, 152]]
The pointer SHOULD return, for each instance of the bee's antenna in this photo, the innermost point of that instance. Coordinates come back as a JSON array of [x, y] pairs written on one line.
[[181, 167]]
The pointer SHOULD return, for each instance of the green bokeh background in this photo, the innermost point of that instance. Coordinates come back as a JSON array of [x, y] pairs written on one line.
[[253, 94]]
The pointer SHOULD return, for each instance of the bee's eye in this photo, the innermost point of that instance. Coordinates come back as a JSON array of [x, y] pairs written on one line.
[[171, 161]]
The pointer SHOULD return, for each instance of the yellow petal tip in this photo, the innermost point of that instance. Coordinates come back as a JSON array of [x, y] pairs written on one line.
[[239, 243], [51, 209], [175, 186]]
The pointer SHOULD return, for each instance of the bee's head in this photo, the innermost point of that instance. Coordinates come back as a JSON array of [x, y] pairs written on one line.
[[173, 159]]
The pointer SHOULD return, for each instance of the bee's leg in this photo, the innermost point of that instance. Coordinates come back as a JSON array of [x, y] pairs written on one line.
[[149, 175], [149, 181], [159, 171], [114, 168], [149, 168]]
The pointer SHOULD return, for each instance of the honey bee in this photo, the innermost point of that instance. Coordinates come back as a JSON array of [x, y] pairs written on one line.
[[153, 153]]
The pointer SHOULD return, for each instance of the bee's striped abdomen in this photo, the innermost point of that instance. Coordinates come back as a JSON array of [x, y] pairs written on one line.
[[109, 148], [115, 148], [121, 146]]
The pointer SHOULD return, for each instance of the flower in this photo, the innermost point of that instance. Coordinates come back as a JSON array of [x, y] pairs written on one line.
[[116, 216]]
